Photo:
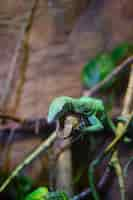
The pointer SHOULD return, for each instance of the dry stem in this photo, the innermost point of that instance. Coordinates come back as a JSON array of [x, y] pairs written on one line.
[[13, 66], [114, 73], [42, 147], [126, 109]]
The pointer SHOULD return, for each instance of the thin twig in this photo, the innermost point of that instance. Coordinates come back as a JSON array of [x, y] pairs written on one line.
[[26, 126], [119, 131], [7, 149], [12, 118], [126, 167], [100, 185], [129, 95], [22, 42], [122, 131], [114, 73], [42, 147], [13, 66], [125, 111], [115, 162]]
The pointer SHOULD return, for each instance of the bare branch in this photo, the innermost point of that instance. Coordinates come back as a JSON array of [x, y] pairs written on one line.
[[129, 95], [13, 66], [114, 73], [42, 147]]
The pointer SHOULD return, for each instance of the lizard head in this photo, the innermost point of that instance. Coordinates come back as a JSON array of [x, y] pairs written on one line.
[[58, 108]]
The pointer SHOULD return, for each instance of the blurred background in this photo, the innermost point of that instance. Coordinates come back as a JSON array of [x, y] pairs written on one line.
[[63, 36]]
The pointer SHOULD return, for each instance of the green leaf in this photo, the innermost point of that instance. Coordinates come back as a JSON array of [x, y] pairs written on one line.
[[97, 69], [19, 187], [43, 194], [25, 183], [38, 194], [103, 64], [121, 52]]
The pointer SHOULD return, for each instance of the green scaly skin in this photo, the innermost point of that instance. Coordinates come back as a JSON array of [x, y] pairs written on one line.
[[92, 110], [42, 193]]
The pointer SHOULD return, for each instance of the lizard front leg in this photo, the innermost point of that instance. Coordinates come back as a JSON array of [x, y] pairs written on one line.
[[95, 126]]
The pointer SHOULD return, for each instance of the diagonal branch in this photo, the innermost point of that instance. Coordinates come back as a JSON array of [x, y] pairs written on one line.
[[42, 147], [13, 66], [114, 73], [121, 129], [115, 160]]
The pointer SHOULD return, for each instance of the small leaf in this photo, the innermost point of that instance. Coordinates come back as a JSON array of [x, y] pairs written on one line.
[[38, 194], [103, 64], [97, 69], [121, 52]]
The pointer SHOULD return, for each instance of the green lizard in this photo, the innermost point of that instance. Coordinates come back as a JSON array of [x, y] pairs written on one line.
[[42, 193], [91, 110]]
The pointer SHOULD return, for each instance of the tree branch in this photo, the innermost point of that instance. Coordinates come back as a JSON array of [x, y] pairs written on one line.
[[114, 73], [13, 66]]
